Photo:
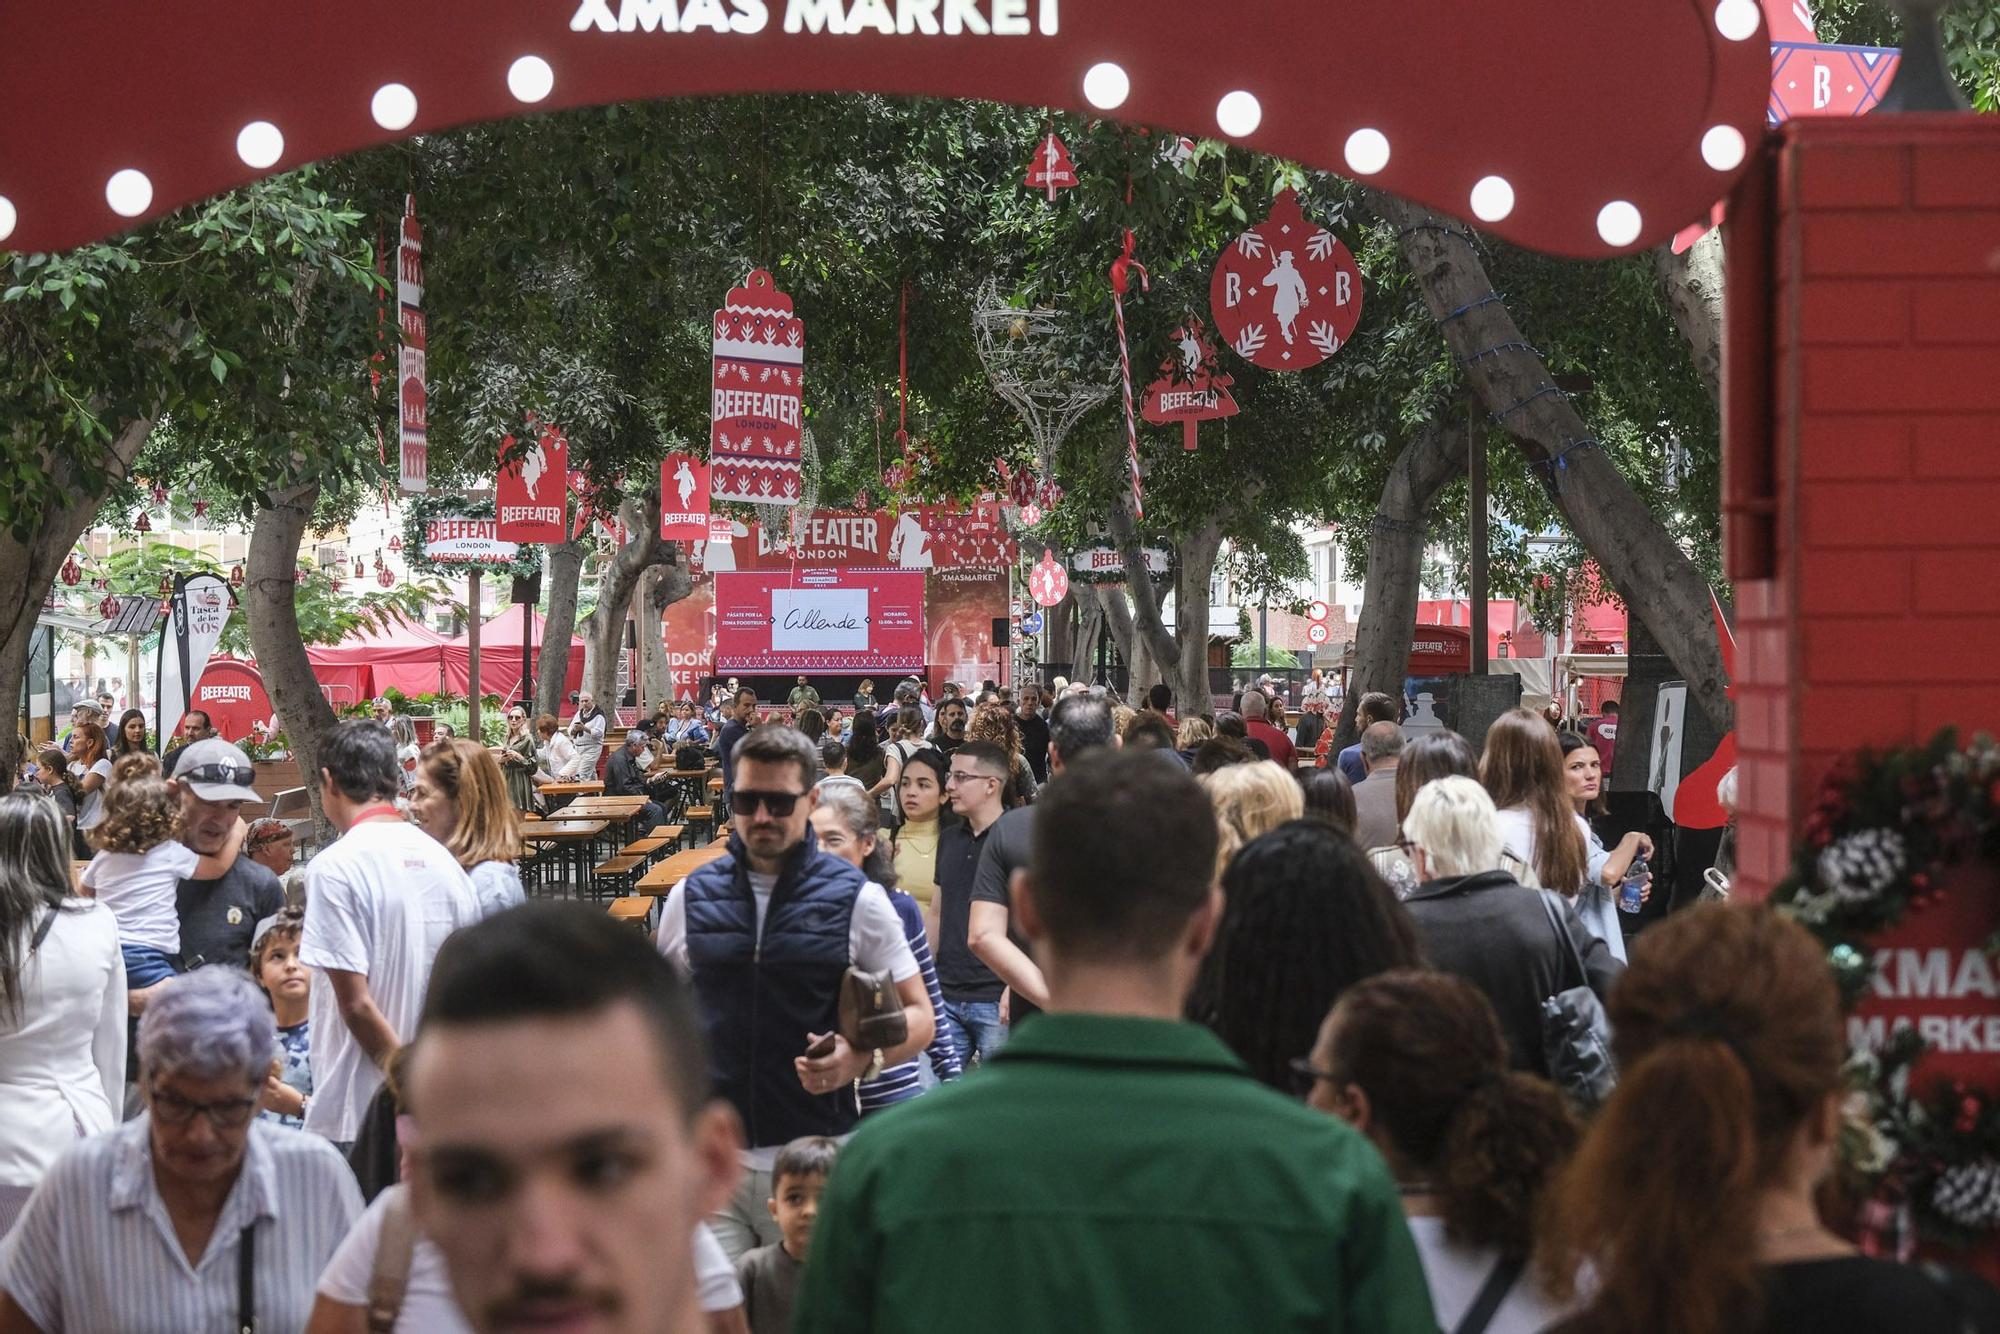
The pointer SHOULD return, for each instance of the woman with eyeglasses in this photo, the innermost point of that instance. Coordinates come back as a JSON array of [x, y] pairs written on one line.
[[516, 754], [1415, 1061], [62, 1003], [195, 1216]]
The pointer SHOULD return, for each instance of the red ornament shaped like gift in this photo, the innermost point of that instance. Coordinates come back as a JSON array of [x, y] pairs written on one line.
[[1051, 169], [1286, 294], [758, 409], [1048, 582], [1191, 388]]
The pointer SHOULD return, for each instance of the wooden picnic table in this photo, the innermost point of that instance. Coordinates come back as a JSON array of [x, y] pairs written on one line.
[[676, 868], [560, 794], [573, 838]]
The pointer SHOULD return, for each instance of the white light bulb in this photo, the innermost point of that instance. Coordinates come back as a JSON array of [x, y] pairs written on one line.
[[1618, 223], [393, 106], [7, 217], [1737, 19], [1106, 86], [1722, 147], [1492, 199], [530, 79], [260, 144], [129, 193], [1238, 114], [1367, 152]]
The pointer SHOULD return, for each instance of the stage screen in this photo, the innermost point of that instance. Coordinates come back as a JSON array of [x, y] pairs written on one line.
[[816, 619]]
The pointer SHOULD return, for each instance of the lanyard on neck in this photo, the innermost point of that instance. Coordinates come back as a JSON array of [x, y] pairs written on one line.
[[376, 811]]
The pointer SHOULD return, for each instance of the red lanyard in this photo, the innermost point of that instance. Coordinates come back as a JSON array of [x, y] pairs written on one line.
[[380, 809]]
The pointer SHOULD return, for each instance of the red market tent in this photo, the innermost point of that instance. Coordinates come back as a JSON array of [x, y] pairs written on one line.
[[500, 655], [402, 654]]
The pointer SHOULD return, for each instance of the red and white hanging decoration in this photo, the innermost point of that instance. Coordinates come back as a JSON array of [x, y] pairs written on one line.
[[1051, 169], [1048, 581], [72, 573], [530, 490], [411, 396], [1192, 388], [684, 509], [758, 410], [1286, 294], [1121, 281]]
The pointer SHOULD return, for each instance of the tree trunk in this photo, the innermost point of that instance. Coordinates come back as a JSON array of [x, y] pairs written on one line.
[[1117, 613], [1628, 543], [1426, 465], [1089, 632], [1182, 658], [29, 569], [269, 591], [565, 571], [1062, 630], [475, 690], [1693, 283], [621, 579], [656, 680]]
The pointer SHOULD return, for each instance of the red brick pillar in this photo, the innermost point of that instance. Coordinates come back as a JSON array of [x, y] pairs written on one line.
[[1863, 453]]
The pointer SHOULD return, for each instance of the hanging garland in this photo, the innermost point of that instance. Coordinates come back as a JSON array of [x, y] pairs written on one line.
[[419, 510], [1884, 828]]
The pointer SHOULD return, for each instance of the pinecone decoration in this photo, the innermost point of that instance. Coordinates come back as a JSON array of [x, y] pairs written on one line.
[[1859, 866], [1968, 1195]]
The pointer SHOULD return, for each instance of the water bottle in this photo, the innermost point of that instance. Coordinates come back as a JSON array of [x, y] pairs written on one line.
[[1629, 887]]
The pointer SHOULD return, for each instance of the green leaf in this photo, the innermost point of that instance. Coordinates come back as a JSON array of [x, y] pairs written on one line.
[[218, 368]]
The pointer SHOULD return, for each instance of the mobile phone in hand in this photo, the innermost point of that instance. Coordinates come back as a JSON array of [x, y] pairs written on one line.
[[822, 1047]]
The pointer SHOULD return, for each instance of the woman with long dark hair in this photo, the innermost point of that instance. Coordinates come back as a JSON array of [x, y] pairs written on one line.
[[62, 1003], [1415, 1061], [1691, 1206], [1583, 773], [1304, 918], [130, 739], [1522, 770]]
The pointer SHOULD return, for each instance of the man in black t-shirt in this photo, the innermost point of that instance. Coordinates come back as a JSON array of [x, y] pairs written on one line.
[[971, 1017], [1034, 732]]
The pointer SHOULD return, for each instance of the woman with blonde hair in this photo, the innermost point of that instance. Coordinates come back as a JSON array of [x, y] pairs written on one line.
[[1522, 770], [1250, 799], [461, 801]]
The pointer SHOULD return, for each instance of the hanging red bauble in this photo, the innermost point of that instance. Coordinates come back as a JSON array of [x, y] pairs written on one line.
[[236, 576], [337, 583], [1031, 514], [1048, 582], [1051, 495], [72, 573], [1051, 169], [108, 608], [385, 577], [1286, 294], [166, 586], [395, 544], [360, 570], [142, 524]]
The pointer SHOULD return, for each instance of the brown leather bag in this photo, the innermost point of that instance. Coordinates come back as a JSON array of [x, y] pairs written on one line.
[[871, 1013]]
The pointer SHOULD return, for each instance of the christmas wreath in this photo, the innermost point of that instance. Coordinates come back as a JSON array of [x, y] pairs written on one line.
[[418, 511], [1882, 829]]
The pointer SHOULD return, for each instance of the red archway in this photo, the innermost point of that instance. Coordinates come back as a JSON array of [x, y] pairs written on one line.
[[1610, 125]]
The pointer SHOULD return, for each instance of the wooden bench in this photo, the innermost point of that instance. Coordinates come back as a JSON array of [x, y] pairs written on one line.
[[616, 874], [700, 820], [632, 909]]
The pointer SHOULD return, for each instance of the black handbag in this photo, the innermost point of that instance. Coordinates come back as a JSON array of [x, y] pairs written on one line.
[[1576, 1033]]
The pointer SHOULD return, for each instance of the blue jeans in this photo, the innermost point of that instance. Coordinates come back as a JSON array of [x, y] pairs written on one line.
[[974, 1029], [145, 965]]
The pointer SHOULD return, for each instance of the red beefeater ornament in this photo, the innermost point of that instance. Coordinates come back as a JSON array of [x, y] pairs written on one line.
[[1286, 294], [531, 491], [684, 513], [1051, 169], [759, 389], [1191, 388], [1048, 582]]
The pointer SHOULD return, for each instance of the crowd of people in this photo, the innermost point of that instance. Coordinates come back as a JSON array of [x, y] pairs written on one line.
[[998, 1012]]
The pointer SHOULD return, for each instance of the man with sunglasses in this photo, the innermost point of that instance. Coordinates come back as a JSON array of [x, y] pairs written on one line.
[[765, 933]]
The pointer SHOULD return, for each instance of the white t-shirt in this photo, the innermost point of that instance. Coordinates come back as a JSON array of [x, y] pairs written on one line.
[[90, 805], [558, 758], [1594, 904], [875, 943], [714, 1274], [428, 1306], [379, 902], [1456, 1273], [139, 888], [496, 887]]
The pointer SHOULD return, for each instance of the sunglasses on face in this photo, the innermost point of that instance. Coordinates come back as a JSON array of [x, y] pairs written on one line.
[[779, 804], [1305, 1074]]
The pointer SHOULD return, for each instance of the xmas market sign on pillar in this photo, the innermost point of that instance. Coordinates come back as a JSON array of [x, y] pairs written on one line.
[[531, 488], [758, 413], [1286, 294], [1191, 388], [412, 398], [683, 499]]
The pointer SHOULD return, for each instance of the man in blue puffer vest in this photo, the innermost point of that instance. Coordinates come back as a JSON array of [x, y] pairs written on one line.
[[765, 934]]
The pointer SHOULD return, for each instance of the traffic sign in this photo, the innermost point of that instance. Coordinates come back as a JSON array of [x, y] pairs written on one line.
[[1031, 624], [1318, 610], [1316, 632]]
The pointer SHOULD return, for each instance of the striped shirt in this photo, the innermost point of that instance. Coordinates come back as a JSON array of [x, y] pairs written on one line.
[[900, 1083], [95, 1250]]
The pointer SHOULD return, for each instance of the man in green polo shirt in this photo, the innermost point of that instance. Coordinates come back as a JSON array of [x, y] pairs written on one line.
[[1112, 1168]]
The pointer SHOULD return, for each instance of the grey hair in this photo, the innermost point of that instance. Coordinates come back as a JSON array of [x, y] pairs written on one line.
[[212, 1024], [1381, 740], [1256, 709], [1453, 821], [860, 816]]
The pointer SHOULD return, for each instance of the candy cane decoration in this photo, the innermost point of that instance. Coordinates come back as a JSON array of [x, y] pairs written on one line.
[[1121, 281]]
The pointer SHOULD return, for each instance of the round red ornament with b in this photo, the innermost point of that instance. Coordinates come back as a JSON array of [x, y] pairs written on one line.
[[1048, 582], [1286, 294]]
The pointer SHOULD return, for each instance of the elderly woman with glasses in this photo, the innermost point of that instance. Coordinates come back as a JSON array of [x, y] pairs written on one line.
[[195, 1216]]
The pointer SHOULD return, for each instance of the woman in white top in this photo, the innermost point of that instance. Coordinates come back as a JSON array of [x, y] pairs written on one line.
[[587, 731], [1583, 772], [461, 801], [555, 758], [90, 766], [62, 1003], [1522, 770], [1415, 1061]]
